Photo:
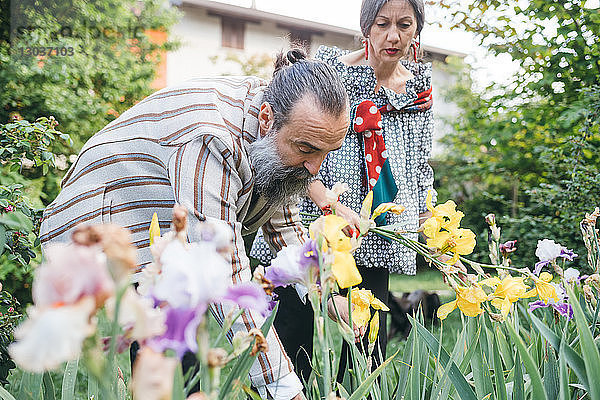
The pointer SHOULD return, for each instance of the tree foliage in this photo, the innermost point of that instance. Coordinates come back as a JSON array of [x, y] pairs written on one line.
[[528, 150], [107, 64]]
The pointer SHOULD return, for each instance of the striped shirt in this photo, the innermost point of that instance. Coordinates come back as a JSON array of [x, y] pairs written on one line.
[[184, 144]]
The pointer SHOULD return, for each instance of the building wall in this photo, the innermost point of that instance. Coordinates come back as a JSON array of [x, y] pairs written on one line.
[[201, 54]]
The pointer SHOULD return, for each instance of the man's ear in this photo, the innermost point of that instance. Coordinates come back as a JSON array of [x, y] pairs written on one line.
[[265, 119]]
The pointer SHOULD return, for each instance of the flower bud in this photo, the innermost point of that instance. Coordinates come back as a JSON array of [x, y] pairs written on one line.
[[508, 247], [588, 293], [260, 343], [217, 358], [241, 341], [197, 396], [594, 281], [490, 219], [179, 223]]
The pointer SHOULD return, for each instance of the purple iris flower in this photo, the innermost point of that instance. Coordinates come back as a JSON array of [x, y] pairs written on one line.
[[309, 256], [548, 251], [508, 247], [294, 264], [180, 336], [563, 309], [249, 295], [567, 254]]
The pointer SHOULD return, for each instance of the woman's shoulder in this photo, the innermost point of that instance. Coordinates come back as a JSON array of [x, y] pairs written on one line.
[[330, 54], [422, 74]]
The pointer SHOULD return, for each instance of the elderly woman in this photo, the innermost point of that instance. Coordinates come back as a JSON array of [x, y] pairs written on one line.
[[386, 150]]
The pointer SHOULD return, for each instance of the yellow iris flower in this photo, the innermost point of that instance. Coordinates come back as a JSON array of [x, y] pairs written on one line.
[[385, 207], [443, 216], [343, 267], [508, 291], [543, 289], [367, 220], [154, 230], [362, 300], [459, 241], [468, 300], [374, 327]]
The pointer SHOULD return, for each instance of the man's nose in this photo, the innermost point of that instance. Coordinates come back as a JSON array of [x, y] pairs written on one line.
[[313, 164]]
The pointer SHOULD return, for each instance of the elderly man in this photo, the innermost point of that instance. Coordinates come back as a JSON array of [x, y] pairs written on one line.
[[232, 149]]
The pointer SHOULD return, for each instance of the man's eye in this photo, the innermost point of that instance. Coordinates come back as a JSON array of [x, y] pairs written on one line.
[[381, 24], [305, 150]]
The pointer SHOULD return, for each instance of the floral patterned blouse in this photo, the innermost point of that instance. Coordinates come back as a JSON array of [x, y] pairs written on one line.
[[408, 139]]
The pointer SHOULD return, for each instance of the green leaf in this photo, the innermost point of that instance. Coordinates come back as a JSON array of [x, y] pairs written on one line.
[[481, 373], [518, 380], [551, 379], [92, 389], [591, 357], [571, 357], [2, 239], [244, 362], [405, 365], [178, 384], [5, 395], [414, 381], [251, 393], [30, 387], [565, 393], [364, 387], [505, 349], [69, 378], [463, 389], [472, 345], [537, 388], [48, 386], [498, 369]]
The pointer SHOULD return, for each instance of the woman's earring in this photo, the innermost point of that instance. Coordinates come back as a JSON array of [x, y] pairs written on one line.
[[414, 45], [366, 43]]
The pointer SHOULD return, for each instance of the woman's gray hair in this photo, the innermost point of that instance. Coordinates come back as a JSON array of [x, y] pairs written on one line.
[[295, 76], [370, 9]]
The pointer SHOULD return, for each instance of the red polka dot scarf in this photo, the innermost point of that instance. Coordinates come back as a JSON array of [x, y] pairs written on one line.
[[379, 174]]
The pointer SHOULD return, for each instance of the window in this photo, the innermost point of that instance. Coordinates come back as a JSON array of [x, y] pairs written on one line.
[[232, 33]]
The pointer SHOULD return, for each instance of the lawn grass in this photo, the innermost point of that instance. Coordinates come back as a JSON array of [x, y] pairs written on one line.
[[425, 279], [430, 280]]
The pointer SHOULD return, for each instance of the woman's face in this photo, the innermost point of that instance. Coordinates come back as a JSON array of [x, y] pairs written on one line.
[[392, 32]]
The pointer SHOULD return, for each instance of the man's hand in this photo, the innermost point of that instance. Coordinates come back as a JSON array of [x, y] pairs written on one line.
[[299, 396], [341, 304], [350, 216]]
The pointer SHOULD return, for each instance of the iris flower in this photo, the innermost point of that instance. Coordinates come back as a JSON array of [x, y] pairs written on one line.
[[154, 230], [362, 300], [459, 241], [294, 264], [543, 288], [343, 267], [443, 216], [468, 300], [508, 291], [367, 219], [548, 251]]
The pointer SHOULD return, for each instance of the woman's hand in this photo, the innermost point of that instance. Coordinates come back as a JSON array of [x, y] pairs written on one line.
[[350, 216], [340, 303]]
